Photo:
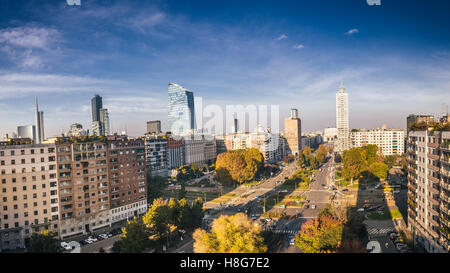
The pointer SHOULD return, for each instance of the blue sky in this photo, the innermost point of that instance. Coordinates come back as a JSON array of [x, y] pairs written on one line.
[[394, 59]]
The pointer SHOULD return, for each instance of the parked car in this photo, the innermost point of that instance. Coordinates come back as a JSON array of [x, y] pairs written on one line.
[[93, 239], [400, 246], [66, 246], [345, 190], [306, 206], [292, 242], [103, 236], [360, 210], [393, 236], [313, 206]]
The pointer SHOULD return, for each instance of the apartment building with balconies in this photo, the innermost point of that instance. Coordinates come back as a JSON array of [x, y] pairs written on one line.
[[429, 188], [127, 177], [29, 192], [83, 177]]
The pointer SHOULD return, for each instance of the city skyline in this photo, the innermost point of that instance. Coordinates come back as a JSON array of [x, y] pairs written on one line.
[[230, 56]]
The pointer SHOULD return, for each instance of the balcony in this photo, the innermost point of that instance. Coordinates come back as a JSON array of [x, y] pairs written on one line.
[[412, 187], [432, 167]]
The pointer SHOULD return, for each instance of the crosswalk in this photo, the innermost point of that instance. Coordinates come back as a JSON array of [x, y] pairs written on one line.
[[282, 231], [379, 231]]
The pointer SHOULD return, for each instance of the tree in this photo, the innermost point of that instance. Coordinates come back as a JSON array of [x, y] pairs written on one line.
[[380, 170], [321, 153], [134, 239], [155, 185], [44, 242], [370, 153], [186, 220], [238, 165], [230, 234], [157, 218], [197, 213], [353, 163], [390, 160], [321, 234], [182, 193]]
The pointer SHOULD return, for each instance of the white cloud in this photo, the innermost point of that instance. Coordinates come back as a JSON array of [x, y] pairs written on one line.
[[352, 31], [281, 37], [15, 84], [29, 37], [28, 45], [299, 46]]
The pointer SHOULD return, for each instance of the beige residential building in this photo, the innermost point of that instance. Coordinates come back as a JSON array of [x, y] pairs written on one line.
[[389, 141], [429, 189], [29, 192]]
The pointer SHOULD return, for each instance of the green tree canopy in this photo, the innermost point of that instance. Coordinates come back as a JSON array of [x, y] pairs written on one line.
[[44, 242], [380, 170], [323, 234], [134, 239], [230, 234]]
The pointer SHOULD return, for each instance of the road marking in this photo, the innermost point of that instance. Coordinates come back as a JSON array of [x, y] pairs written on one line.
[[379, 231]]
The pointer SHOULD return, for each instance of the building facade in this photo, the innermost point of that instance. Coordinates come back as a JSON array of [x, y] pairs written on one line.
[[127, 177], [181, 116], [411, 119], [156, 154], [429, 189], [154, 127], [29, 193], [175, 152], [27, 131], [343, 138], [389, 141], [293, 133]]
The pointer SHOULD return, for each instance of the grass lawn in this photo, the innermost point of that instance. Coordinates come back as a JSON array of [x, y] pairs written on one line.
[[393, 214]]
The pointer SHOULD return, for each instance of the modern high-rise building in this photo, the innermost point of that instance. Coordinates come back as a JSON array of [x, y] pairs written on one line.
[[154, 127], [429, 189], [342, 124], [97, 104], [293, 132], [27, 131], [100, 117], [39, 124], [181, 116], [388, 141], [104, 118]]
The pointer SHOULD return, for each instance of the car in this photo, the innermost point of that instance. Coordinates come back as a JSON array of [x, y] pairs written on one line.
[[360, 210], [334, 189], [393, 236], [313, 206], [93, 239], [103, 236], [292, 242], [323, 185], [88, 241], [326, 187], [268, 219], [400, 246], [307, 201], [306, 206], [345, 190], [66, 246], [109, 234]]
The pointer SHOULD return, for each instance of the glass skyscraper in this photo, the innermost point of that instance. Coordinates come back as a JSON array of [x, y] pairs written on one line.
[[181, 117]]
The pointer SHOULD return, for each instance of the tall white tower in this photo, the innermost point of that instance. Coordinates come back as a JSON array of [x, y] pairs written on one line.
[[343, 140]]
